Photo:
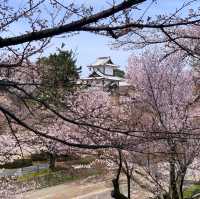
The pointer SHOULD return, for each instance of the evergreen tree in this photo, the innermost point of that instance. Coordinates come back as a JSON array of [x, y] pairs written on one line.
[[119, 73], [59, 73]]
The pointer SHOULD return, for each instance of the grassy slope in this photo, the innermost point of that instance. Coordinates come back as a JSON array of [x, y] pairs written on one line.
[[192, 190]]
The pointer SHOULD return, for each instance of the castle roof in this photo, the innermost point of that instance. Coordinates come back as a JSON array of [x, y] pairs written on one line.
[[103, 61]]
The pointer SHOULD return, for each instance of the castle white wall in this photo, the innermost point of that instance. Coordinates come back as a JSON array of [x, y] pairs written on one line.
[[108, 70]]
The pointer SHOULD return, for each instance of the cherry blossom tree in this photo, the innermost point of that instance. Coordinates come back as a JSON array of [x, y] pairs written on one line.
[[158, 122], [163, 86], [166, 89], [118, 19]]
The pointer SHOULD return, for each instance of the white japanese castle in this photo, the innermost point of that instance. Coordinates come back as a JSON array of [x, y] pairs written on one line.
[[102, 75]]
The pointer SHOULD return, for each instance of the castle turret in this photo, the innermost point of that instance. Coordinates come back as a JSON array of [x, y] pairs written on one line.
[[103, 65]]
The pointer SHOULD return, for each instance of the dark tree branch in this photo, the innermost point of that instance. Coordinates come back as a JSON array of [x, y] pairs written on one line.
[[190, 52], [38, 133], [137, 25], [71, 27]]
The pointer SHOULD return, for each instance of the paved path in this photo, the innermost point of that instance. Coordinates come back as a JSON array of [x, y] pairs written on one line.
[[71, 191], [77, 190]]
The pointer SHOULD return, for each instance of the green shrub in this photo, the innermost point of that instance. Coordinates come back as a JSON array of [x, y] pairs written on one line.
[[66, 157], [33, 175], [43, 156], [86, 160], [19, 163]]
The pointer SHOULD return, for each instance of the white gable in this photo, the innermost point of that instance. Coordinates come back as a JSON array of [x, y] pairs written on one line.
[[104, 65]]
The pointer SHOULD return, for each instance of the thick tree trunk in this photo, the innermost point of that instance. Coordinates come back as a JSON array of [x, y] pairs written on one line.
[[179, 185], [173, 189], [176, 185], [116, 192], [52, 161], [129, 186], [173, 192]]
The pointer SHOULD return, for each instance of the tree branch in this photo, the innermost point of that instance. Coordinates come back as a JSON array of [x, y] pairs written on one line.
[[73, 26]]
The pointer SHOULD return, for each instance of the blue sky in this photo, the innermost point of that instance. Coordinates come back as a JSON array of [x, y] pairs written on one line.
[[90, 46]]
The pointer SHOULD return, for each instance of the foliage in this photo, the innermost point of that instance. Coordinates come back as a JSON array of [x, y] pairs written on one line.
[[86, 160], [19, 163], [165, 99], [32, 175], [11, 189], [60, 68], [46, 177], [58, 72], [39, 156], [119, 73], [191, 191], [67, 157], [165, 95], [67, 160]]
